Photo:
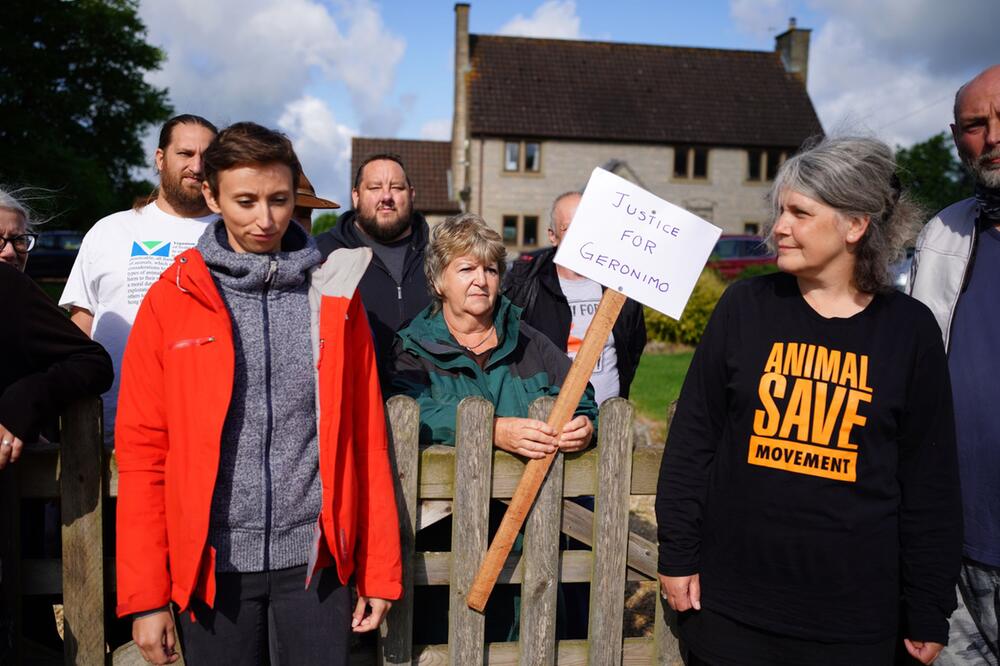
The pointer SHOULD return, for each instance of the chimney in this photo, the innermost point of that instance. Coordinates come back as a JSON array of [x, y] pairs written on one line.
[[793, 45], [459, 190]]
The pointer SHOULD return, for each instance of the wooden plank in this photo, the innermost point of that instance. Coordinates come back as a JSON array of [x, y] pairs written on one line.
[[470, 526], [10, 559], [534, 473], [541, 561], [432, 511], [82, 544], [611, 540], [575, 566], [437, 469], [396, 633], [635, 652], [578, 522]]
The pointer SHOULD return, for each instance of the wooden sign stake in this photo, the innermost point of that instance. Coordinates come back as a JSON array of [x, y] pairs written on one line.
[[536, 469]]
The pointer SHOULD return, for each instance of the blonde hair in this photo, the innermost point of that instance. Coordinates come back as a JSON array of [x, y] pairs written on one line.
[[458, 236]]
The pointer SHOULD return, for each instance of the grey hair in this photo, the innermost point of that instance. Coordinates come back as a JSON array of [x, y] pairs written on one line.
[[555, 204], [457, 236], [856, 176], [9, 201]]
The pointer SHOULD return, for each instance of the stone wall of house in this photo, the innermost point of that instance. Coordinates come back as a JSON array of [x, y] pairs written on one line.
[[725, 197]]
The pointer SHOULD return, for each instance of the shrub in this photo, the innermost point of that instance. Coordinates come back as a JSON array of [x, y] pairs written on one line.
[[689, 328]]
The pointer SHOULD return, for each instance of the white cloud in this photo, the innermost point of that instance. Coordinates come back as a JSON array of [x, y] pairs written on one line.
[[553, 18], [892, 67], [322, 144], [231, 60], [436, 130]]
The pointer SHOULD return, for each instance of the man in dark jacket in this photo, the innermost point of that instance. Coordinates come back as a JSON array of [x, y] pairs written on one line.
[[393, 288], [561, 304]]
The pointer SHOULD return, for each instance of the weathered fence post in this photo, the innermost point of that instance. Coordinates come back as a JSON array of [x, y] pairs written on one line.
[[470, 527], [81, 465], [541, 561], [396, 639], [611, 507]]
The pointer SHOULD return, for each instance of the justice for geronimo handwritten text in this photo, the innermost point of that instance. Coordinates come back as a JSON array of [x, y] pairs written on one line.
[[811, 398]]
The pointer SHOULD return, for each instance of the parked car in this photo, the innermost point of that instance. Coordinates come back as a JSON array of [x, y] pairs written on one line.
[[733, 253], [900, 271], [54, 254]]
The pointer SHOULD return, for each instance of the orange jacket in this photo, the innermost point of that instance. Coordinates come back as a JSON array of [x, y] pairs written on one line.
[[177, 378]]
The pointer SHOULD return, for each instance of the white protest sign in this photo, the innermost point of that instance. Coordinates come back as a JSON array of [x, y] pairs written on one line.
[[636, 243]]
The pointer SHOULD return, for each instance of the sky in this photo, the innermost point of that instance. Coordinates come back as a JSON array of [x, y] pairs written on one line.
[[323, 71]]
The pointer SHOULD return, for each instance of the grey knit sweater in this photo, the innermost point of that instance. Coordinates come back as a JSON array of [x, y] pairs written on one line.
[[267, 493]]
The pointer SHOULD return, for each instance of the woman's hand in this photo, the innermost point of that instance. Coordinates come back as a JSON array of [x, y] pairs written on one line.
[[525, 437], [10, 447], [154, 635], [361, 623], [923, 651], [682, 592], [576, 435]]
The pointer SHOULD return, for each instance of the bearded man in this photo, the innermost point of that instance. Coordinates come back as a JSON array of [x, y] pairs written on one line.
[[394, 288], [956, 272], [124, 253]]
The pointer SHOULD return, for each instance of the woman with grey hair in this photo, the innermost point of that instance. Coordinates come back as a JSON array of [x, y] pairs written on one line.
[[16, 237], [810, 479]]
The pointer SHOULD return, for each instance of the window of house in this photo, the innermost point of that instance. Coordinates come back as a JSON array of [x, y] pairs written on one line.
[[510, 229], [762, 165], [532, 151], [530, 230], [752, 228], [532, 156], [511, 156], [690, 162]]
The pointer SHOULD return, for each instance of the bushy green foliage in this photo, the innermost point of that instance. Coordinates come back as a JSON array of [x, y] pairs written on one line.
[[689, 328], [324, 222], [930, 170]]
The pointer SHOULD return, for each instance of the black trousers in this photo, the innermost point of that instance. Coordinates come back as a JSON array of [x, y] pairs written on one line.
[[262, 617]]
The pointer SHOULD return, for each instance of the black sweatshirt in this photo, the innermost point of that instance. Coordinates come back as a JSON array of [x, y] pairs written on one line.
[[47, 361], [810, 473]]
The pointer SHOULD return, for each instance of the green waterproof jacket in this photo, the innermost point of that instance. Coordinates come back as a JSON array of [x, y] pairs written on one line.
[[431, 367]]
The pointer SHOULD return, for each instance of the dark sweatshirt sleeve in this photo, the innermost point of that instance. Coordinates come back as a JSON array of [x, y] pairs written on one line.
[[695, 432], [65, 364], [930, 520]]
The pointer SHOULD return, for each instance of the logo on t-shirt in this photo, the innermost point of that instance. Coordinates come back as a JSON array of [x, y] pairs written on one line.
[[150, 249], [811, 399]]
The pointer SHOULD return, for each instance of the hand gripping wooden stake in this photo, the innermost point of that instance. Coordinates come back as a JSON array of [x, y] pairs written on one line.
[[536, 469]]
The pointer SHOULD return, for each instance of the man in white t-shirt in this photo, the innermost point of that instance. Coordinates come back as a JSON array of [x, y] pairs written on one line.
[[124, 253], [561, 304]]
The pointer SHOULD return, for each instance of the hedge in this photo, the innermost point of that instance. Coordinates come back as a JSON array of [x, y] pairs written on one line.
[[689, 328]]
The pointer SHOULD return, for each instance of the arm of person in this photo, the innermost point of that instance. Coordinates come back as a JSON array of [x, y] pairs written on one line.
[[83, 318], [437, 409], [378, 559], [142, 444], [690, 450], [930, 513], [67, 365]]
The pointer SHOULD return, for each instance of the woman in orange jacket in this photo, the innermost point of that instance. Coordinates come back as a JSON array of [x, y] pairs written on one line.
[[254, 477]]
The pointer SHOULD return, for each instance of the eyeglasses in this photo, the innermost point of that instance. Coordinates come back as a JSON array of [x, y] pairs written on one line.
[[22, 243]]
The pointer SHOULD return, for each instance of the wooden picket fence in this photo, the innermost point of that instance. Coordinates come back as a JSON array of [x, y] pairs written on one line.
[[431, 484]]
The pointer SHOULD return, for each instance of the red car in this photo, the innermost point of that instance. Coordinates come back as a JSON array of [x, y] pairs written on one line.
[[733, 253]]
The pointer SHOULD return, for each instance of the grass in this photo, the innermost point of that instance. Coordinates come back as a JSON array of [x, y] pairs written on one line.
[[658, 382]]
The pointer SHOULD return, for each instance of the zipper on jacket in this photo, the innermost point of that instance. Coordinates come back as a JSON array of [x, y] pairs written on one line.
[[269, 415]]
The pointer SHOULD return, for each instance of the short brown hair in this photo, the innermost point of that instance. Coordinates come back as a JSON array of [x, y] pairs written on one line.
[[459, 235], [392, 157], [246, 143]]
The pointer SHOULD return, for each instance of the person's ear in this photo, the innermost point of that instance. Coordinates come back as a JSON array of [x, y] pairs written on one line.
[[206, 192], [354, 198], [856, 228], [158, 160]]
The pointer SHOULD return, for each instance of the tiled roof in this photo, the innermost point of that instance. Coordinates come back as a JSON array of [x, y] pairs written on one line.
[[562, 89], [427, 164]]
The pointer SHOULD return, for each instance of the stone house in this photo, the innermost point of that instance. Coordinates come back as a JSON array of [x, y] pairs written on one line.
[[702, 128]]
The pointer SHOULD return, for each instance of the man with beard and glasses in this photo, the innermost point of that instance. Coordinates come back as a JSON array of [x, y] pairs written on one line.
[[956, 272], [124, 253], [394, 288]]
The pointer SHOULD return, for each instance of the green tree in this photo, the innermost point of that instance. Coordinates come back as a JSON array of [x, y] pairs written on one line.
[[932, 172], [74, 104], [324, 222]]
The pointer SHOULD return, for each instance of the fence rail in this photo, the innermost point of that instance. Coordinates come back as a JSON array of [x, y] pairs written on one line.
[[432, 483]]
